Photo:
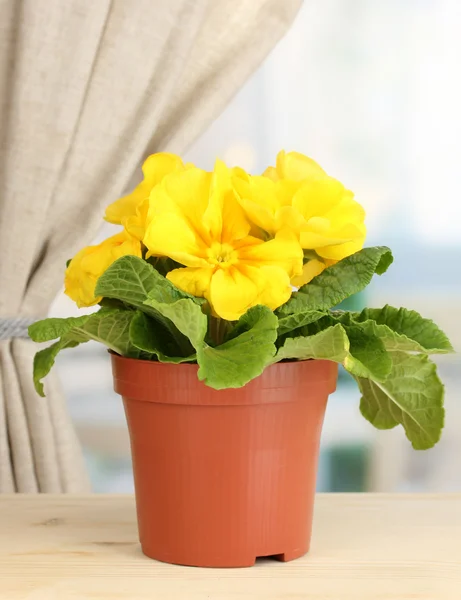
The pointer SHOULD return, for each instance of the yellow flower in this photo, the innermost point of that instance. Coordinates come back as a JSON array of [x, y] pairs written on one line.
[[297, 195], [312, 268], [90, 263], [294, 167], [334, 222], [195, 219], [266, 203], [131, 210]]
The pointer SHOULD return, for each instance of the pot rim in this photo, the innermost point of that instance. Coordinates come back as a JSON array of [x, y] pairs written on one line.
[[169, 383]]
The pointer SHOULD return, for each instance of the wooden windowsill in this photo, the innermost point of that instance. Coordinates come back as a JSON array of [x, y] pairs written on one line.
[[383, 547]]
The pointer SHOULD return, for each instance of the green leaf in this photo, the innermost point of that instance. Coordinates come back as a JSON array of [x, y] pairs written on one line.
[[113, 303], [136, 282], [148, 335], [238, 360], [361, 352], [329, 344], [412, 395], [187, 317], [110, 327], [403, 329], [107, 326], [129, 279], [132, 280], [368, 356], [338, 282], [44, 360], [241, 358], [51, 329], [297, 320]]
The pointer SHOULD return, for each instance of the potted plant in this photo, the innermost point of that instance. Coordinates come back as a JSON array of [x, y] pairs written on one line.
[[217, 302]]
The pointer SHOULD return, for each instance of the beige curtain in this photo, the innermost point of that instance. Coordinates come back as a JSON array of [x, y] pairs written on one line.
[[87, 89]]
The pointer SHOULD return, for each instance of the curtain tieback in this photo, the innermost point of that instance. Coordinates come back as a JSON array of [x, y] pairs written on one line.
[[15, 327]]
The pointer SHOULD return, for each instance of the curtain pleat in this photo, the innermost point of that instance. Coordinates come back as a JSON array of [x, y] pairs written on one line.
[[87, 90]]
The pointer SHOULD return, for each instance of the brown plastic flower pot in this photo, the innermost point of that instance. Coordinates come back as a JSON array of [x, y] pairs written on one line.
[[224, 477]]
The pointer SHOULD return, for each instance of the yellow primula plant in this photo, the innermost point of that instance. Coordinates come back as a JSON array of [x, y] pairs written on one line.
[[236, 272]]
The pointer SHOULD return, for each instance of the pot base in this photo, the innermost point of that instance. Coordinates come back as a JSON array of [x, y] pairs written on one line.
[[241, 561]]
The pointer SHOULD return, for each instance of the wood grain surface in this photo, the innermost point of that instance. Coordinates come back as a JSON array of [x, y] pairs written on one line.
[[370, 547]]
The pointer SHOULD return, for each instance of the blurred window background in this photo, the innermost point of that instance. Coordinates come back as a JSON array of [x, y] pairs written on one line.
[[371, 91]]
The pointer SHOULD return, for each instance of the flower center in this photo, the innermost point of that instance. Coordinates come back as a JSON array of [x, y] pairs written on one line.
[[223, 255]]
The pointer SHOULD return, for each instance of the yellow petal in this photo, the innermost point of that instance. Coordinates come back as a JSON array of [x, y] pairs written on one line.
[[316, 197], [175, 218], [154, 170], [315, 241], [236, 225], [232, 293], [257, 197], [273, 283], [290, 218], [318, 232], [195, 281], [157, 166], [258, 189], [317, 237], [100, 257], [310, 270], [285, 189], [333, 219], [224, 217], [185, 194], [80, 285], [271, 173], [90, 263], [296, 166], [268, 205], [136, 226], [343, 250], [212, 217], [170, 234], [347, 210], [284, 251], [123, 245], [259, 215], [126, 206]]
